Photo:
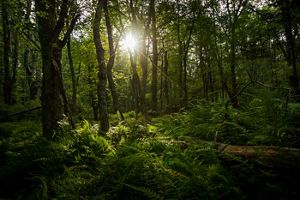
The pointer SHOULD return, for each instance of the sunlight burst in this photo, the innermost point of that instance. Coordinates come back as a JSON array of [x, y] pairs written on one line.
[[129, 42]]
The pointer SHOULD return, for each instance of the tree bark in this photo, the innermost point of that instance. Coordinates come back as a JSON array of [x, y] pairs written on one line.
[[7, 84], [291, 57], [110, 64], [136, 85], [54, 101], [144, 65], [26, 54], [234, 11], [102, 72], [180, 52], [154, 55], [73, 76], [234, 100], [29, 69], [15, 59], [268, 156], [161, 100], [91, 83], [166, 82], [185, 59]]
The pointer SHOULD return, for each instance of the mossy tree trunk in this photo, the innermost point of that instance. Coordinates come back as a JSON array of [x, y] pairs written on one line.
[[51, 24], [102, 71]]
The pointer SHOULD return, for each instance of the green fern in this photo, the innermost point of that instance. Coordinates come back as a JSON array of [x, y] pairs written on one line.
[[149, 193]]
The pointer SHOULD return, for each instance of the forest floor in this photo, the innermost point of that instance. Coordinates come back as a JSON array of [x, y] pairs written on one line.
[[175, 156]]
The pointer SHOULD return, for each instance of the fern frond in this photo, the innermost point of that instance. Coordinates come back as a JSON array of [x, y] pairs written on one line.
[[149, 193]]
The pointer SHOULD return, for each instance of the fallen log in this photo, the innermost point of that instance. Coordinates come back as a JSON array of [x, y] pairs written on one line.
[[6, 117], [270, 156]]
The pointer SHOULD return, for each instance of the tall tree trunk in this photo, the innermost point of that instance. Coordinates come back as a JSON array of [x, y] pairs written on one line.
[[26, 56], [15, 59], [154, 56], [234, 10], [232, 95], [35, 85], [180, 54], [144, 65], [110, 64], [161, 83], [54, 101], [203, 70], [136, 85], [93, 98], [166, 85], [73, 75], [290, 46], [185, 59], [102, 73], [221, 72], [7, 84], [211, 84]]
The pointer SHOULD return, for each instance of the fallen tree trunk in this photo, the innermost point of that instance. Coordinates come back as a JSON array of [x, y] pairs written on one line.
[[270, 156], [6, 117]]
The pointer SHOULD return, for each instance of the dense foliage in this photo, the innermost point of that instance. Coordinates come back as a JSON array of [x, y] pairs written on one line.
[[169, 158], [149, 99]]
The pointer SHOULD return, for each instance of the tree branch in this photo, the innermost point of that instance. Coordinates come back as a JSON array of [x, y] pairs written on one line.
[[61, 20], [70, 28]]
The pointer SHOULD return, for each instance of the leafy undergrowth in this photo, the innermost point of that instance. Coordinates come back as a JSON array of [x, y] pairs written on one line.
[[83, 165], [262, 122], [166, 159]]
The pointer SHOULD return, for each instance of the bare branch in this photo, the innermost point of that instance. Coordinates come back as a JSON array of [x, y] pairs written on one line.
[[61, 20]]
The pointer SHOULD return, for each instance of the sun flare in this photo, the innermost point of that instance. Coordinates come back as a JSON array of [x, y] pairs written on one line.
[[129, 42]]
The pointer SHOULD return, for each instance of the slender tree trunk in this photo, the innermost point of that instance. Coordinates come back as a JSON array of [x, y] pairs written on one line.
[[221, 71], [204, 80], [166, 75], [73, 75], [154, 56], [180, 52], [91, 83], [233, 97], [161, 83], [203, 73], [7, 84], [15, 59], [110, 64], [290, 46], [136, 85], [185, 59], [26, 56], [28, 70], [57, 52], [102, 73], [144, 65], [211, 85], [36, 84]]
